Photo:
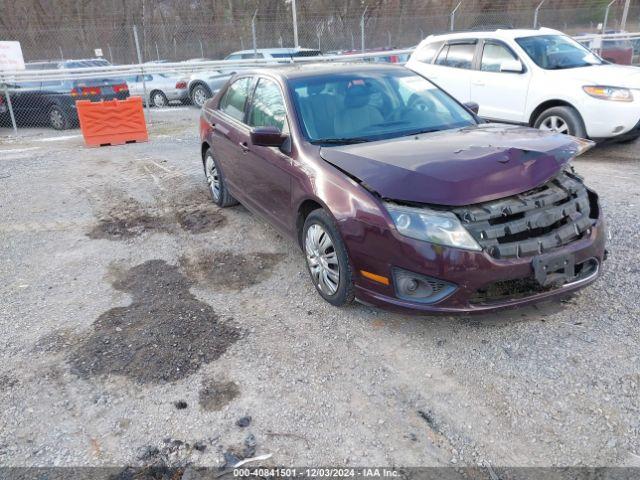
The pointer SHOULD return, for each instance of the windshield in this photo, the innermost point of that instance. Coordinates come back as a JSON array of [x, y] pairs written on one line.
[[554, 52], [349, 108]]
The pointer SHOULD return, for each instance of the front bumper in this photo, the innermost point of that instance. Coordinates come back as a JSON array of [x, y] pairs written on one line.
[[605, 119], [471, 272]]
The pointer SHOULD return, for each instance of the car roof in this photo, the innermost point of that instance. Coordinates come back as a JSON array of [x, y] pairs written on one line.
[[274, 50], [296, 70], [500, 33]]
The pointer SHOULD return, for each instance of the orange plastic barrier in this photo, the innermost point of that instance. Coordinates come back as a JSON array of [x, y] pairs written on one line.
[[112, 122]]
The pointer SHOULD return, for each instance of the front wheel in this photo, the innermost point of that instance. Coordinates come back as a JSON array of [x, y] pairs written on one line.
[[159, 99], [58, 119], [327, 259], [199, 95], [561, 120]]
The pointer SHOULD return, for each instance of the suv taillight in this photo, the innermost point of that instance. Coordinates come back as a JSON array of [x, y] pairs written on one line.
[[181, 84], [122, 87], [85, 91]]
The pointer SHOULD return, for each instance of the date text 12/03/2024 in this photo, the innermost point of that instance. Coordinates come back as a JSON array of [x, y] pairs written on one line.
[[316, 472]]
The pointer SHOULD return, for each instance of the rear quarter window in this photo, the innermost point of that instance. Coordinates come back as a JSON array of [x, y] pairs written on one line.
[[427, 53]]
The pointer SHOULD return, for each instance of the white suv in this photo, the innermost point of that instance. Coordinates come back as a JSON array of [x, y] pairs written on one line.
[[541, 78]]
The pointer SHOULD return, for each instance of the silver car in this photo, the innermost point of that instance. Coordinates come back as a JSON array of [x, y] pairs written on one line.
[[162, 88]]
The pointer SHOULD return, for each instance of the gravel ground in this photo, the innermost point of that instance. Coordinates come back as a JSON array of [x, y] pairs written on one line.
[[141, 324]]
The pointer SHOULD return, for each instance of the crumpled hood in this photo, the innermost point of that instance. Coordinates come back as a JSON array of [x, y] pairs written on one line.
[[457, 167]]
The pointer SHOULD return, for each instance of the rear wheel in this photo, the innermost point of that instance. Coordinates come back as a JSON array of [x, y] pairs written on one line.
[[215, 180], [327, 259], [158, 99], [561, 120], [58, 119], [199, 95]]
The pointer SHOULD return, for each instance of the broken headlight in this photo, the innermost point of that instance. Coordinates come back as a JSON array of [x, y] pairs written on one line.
[[441, 228]]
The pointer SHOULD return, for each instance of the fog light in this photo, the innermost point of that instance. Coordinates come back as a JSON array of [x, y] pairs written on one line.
[[420, 288]]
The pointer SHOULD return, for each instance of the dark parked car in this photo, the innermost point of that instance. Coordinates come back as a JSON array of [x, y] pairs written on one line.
[[53, 102], [398, 195]]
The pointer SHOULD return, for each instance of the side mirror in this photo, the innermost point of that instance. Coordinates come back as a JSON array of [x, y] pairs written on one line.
[[473, 106], [511, 66], [267, 137]]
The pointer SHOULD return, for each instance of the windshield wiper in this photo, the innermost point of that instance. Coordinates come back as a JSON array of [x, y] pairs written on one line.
[[340, 141], [424, 130]]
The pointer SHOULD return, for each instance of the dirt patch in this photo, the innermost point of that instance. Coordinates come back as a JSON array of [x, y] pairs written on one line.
[[129, 218], [229, 270], [215, 395], [55, 342], [7, 381], [164, 335], [199, 220]]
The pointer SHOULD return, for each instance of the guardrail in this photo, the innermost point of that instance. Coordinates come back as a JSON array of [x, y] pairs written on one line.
[[16, 76]]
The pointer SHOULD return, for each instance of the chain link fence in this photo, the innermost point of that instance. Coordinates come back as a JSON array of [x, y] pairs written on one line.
[[194, 44]]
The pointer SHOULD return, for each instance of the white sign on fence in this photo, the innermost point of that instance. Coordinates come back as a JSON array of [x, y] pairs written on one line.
[[98, 52], [11, 56]]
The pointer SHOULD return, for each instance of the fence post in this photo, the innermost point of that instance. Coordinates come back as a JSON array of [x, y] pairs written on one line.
[[606, 16], [452, 16], [13, 118], [535, 14], [295, 24], [253, 34], [147, 100], [61, 54], [625, 14], [157, 52], [201, 49], [110, 53], [362, 28]]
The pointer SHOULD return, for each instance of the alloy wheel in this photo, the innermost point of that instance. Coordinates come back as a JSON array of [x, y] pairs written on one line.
[[322, 259], [199, 96], [213, 178], [158, 100], [56, 119], [554, 123]]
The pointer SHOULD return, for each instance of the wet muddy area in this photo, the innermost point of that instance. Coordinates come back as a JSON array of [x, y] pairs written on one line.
[[129, 218], [165, 334], [214, 395], [229, 270]]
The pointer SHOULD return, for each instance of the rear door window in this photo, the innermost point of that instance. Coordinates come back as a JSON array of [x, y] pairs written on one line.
[[459, 55], [235, 98]]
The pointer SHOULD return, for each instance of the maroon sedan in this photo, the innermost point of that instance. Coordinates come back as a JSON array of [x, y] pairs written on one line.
[[398, 195]]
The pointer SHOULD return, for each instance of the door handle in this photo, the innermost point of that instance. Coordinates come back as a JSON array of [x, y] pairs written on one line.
[[478, 84], [244, 147]]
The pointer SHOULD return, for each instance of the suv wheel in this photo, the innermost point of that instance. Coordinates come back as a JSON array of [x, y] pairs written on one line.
[[58, 119], [219, 193], [158, 99], [561, 120], [327, 259], [199, 95]]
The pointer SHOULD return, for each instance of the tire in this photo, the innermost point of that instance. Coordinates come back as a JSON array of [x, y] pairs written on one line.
[[58, 119], [325, 257], [215, 180], [562, 120], [158, 99], [199, 95]]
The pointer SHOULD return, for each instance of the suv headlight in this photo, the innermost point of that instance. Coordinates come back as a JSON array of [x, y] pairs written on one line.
[[441, 228], [616, 94]]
